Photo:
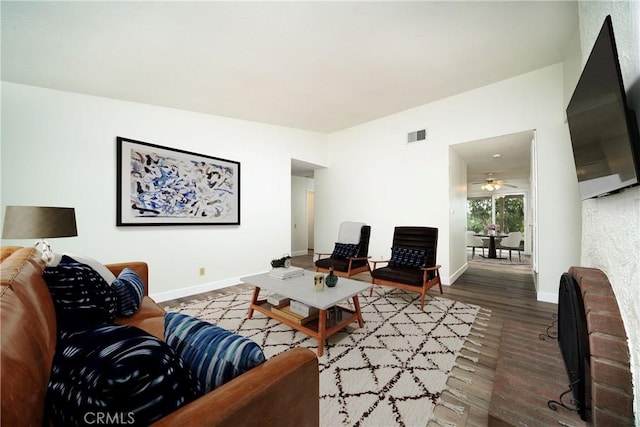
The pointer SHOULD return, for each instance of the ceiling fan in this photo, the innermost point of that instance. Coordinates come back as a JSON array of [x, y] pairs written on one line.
[[492, 184]]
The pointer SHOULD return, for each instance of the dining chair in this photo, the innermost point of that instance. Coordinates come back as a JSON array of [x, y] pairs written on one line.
[[511, 243], [474, 242]]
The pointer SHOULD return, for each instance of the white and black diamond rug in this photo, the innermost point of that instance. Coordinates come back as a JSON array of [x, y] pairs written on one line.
[[391, 372]]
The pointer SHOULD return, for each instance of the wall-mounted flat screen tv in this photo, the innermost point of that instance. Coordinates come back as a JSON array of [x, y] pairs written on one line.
[[604, 131]]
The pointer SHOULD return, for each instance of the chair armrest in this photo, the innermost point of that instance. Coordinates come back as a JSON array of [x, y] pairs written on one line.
[[283, 391], [434, 267], [321, 254], [380, 261], [362, 258]]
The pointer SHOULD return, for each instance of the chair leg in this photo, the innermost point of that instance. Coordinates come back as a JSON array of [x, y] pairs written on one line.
[[473, 251], [509, 254], [371, 290]]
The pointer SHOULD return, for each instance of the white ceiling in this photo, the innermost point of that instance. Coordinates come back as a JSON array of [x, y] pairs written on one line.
[[320, 66], [512, 163]]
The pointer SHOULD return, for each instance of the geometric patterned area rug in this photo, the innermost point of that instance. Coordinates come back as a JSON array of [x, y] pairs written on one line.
[[391, 372]]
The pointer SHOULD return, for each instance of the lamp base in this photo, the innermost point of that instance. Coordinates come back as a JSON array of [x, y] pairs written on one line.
[[47, 253]]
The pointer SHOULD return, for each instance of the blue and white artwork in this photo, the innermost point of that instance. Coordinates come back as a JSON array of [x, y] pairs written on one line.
[[178, 187]]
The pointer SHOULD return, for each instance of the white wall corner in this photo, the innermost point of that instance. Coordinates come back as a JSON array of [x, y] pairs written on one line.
[[548, 297], [456, 274]]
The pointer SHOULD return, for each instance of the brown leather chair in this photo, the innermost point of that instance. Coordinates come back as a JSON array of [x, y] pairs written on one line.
[[347, 267], [407, 269]]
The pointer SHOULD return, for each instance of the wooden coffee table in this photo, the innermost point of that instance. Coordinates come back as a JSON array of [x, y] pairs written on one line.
[[301, 289]]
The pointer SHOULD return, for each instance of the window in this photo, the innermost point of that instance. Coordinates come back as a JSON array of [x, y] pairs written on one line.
[[510, 213], [478, 213], [506, 211]]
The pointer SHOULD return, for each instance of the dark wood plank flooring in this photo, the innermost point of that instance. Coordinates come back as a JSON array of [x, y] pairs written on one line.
[[508, 291]]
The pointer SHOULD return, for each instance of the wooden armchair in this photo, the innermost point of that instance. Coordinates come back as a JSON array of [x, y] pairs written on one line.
[[412, 266], [347, 266]]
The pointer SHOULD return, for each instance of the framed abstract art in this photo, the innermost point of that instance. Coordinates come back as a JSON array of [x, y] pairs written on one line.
[[159, 185]]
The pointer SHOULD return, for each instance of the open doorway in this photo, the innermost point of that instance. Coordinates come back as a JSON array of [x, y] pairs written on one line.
[[498, 190], [310, 220], [302, 207]]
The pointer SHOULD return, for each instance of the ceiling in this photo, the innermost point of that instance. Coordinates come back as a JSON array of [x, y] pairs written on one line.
[[507, 157], [319, 66]]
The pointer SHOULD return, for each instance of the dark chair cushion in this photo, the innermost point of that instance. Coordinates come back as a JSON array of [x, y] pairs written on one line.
[[417, 238], [344, 250], [406, 275], [339, 264], [406, 257]]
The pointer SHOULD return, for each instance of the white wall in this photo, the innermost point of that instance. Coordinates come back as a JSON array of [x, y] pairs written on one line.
[[374, 176], [59, 149], [299, 215], [610, 236], [457, 215]]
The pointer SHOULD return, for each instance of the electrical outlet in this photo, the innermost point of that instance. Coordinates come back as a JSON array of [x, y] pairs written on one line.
[[202, 271]]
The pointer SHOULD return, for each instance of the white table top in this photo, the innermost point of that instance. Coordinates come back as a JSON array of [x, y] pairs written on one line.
[[301, 288]]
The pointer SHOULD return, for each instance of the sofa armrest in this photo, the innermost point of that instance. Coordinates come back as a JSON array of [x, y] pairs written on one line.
[[141, 269], [283, 391]]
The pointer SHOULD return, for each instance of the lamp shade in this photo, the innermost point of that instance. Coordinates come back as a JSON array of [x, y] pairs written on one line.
[[38, 222]]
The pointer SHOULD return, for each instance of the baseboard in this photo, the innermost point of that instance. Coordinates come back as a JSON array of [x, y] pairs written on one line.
[[194, 290], [548, 297], [299, 253], [458, 273]]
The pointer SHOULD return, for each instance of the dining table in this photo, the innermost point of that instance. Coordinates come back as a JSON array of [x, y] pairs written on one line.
[[492, 243]]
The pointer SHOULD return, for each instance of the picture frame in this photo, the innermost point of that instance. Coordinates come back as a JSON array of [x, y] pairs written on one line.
[[159, 185]]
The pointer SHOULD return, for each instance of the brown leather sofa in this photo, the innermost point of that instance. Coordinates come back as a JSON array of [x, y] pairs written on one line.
[[282, 391]]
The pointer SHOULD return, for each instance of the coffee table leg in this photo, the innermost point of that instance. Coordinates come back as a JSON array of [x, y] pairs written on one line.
[[254, 300], [356, 303], [322, 331]]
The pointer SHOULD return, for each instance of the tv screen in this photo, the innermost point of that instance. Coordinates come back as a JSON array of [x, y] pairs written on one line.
[[604, 131]]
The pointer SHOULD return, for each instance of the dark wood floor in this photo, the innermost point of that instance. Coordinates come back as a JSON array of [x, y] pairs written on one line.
[[508, 292]]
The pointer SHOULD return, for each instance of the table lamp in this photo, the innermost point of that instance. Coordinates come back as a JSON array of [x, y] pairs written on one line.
[[39, 222]]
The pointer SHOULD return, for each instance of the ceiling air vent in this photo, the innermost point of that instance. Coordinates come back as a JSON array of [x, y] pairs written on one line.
[[417, 136]]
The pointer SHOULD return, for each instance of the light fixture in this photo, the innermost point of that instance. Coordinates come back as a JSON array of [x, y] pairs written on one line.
[[490, 187], [39, 222]]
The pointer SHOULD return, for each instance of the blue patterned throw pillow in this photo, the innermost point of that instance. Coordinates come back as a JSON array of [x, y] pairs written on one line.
[[214, 354], [344, 250], [129, 291], [115, 371], [405, 257], [80, 295]]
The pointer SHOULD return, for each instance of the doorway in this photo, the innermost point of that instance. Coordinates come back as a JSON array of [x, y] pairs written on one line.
[[302, 206], [310, 220], [499, 179]]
